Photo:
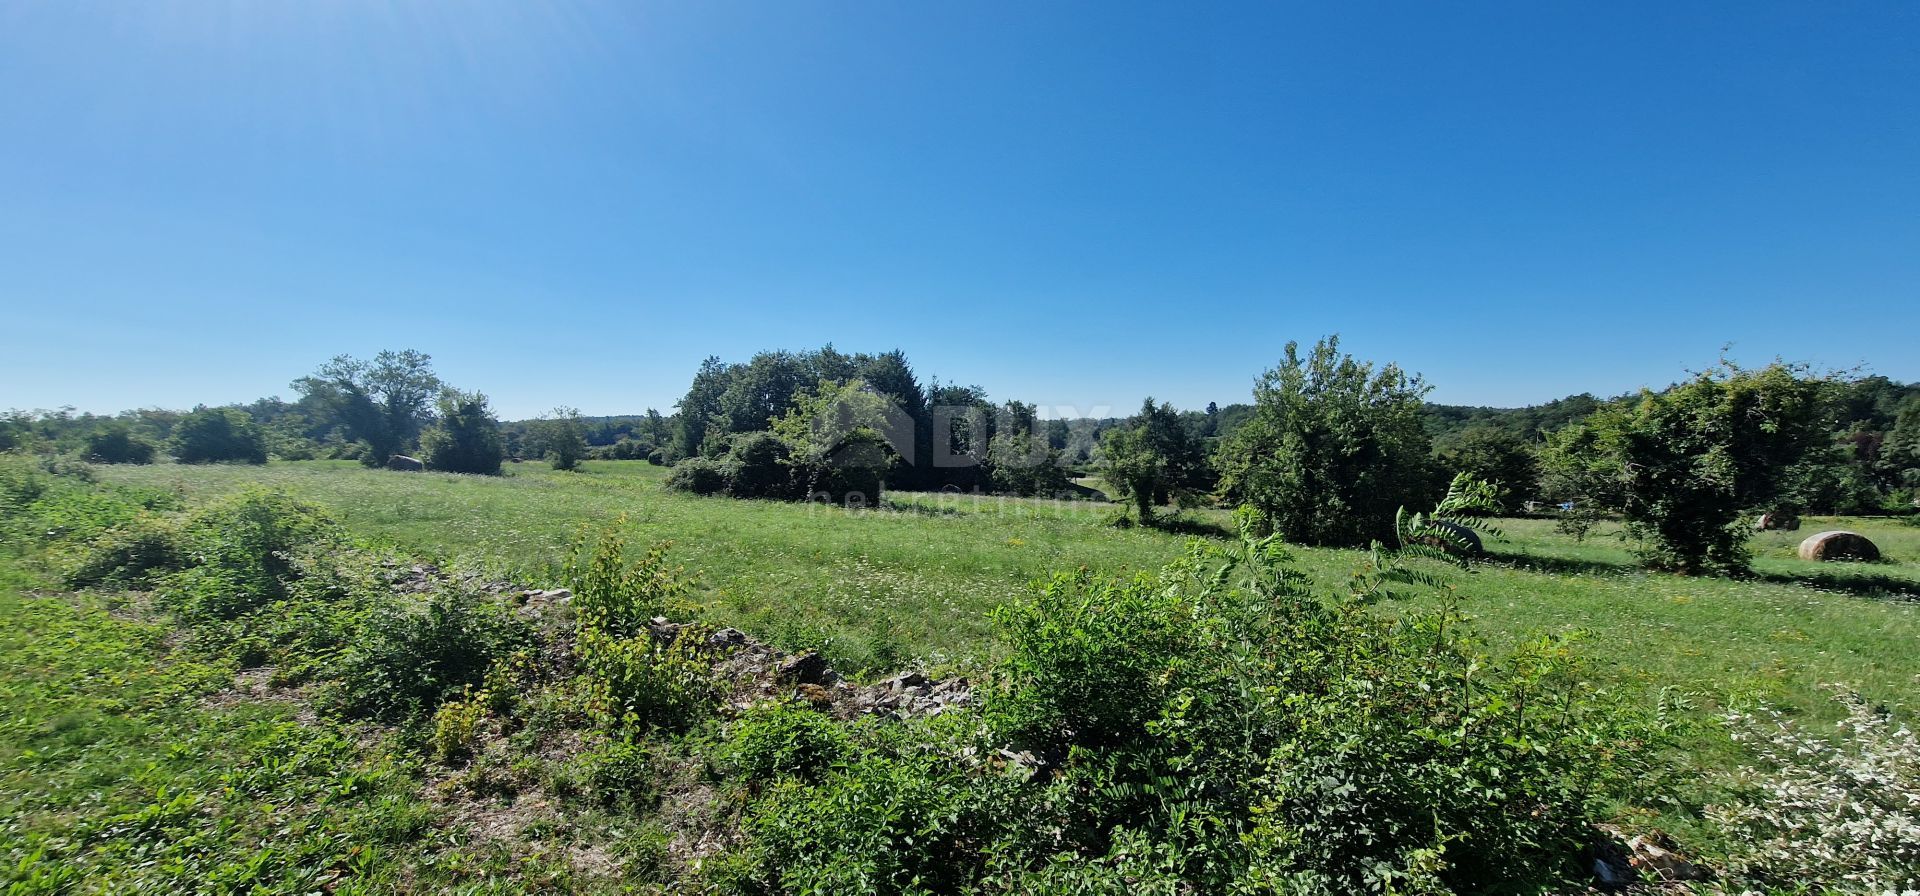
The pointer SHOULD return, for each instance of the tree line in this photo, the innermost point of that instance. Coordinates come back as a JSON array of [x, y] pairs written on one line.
[[1329, 448]]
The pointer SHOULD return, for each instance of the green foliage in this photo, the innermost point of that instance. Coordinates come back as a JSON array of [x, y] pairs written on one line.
[[1495, 456], [775, 740], [560, 437], [1020, 460], [242, 552], [409, 657], [759, 465], [701, 476], [218, 435], [382, 403], [640, 683], [1686, 466], [1333, 450], [117, 445], [611, 594], [1153, 459], [467, 437]]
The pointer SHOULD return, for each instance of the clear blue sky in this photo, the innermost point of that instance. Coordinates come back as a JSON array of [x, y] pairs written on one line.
[[573, 203]]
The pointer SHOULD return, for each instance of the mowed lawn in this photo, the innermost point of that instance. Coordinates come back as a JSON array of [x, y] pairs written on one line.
[[916, 582]]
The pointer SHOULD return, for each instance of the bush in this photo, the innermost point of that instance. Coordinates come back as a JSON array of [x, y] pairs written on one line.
[[467, 438], [1333, 449], [410, 656], [759, 467], [115, 445], [1686, 467], [700, 475], [782, 739], [660, 457], [241, 553], [218, 435], [1219, 728], [638, 683], [1829, 817]]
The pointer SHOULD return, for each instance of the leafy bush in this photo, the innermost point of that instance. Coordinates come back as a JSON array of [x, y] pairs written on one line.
[[760, 467], [241, 552], [782, 739], [1686, 466], [1219, 728], [127, 556], [458, 726], [116, 445], [1332, 450], [700, 475], [467, 437], [1831, 817], [615, 596], [218, 435], [410, 656]]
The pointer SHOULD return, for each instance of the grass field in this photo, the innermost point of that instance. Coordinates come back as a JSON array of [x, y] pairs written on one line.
[[916, 581]]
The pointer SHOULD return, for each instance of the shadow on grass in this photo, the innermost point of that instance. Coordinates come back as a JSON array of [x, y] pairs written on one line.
[[1560, 565], [1862, 583], [1189, 527], [1850, 581]]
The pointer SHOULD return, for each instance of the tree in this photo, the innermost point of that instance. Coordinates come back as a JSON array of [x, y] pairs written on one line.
[[560, 437], [841, 438], [1685, 466], [383, 402], [1153, 459], [467, 437], [1333, 449], [218, 435], [1496, 456], [115, 444], [1020, 460]]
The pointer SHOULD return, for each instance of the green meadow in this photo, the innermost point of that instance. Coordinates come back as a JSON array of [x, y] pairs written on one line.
[[915, 581]]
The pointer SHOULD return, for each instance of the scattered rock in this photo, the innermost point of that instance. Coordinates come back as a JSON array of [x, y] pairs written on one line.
[[1838, 545], [1620, 862], [405, 464], [805, 668]]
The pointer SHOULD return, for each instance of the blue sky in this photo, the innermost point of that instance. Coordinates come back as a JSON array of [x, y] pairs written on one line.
[[1072, 204]]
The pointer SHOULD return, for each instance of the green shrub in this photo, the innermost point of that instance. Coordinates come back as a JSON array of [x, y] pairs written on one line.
[[116, 445], [781, 739], [615, 596], [1220, 728], [241, 552], [660, 457], [761, 467], [639, 683], [410, 655], [127, 556], [1333, 449], [218, 435], [700, 475], [617, 773], [458, 726], [466, 439]]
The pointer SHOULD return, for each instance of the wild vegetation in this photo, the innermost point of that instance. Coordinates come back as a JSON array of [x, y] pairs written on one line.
[[593, 674]]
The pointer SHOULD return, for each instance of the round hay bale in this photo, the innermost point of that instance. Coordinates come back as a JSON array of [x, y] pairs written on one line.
[[1838, 545], [1458, 537]]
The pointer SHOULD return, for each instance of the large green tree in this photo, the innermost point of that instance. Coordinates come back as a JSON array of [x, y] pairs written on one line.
[[384, 402], [1685, 466], [1334, 448]]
